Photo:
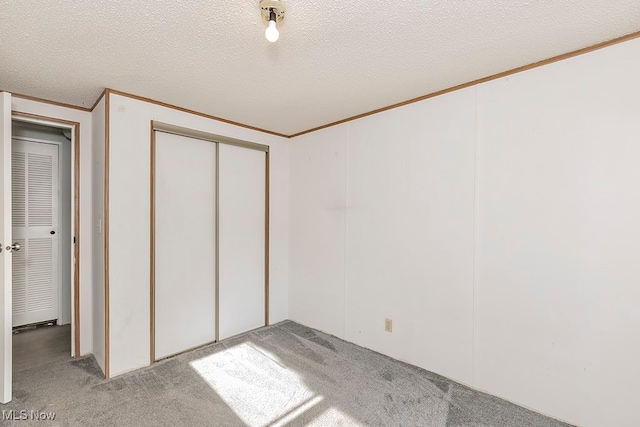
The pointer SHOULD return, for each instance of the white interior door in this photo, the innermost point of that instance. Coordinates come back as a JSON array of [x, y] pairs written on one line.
[[35, 213], [185, 243], [5, 256], [242, 192]]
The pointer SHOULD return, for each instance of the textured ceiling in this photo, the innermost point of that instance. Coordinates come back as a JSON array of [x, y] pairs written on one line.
[[334, 59]]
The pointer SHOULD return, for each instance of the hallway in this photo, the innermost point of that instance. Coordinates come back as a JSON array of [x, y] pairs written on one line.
[[40, 346]]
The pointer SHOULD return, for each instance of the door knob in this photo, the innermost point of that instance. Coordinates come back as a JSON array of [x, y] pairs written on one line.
[[14, 247]]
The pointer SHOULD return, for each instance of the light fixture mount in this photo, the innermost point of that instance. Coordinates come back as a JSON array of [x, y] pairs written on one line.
[[275, 6]]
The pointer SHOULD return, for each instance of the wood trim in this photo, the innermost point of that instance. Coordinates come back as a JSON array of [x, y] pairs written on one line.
[[105, 231], [95, 104], [20, 114], [152, 249], [47, 101], [76, 210], [547, 61], [76, 234], [217, 260], [267, 202], [206, 136], [196, 113]]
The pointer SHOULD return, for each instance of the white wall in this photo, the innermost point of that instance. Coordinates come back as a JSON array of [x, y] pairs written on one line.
[[498, 226], [129, 221], [559, 237], [410, 233], [85, 241], [97, 220], [318, 230], [382, 227]]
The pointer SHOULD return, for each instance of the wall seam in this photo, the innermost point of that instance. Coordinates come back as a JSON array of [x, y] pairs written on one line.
[[346, 229]]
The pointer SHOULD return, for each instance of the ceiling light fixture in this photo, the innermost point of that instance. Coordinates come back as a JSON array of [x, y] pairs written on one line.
[[272, 12]]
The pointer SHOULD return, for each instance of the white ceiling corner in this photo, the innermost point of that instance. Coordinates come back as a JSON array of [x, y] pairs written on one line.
[[333, 60]]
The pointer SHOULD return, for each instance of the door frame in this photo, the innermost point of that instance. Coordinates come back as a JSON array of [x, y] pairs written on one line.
[[74, 127], [156, 126]]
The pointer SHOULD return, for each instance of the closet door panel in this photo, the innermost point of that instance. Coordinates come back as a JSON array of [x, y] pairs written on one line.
[[242, 192], [185, 243]]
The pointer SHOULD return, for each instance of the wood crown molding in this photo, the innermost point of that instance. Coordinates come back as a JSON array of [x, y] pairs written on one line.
[[196, 113], [522, 68], [102, 95], [516, 70], [48, 101]]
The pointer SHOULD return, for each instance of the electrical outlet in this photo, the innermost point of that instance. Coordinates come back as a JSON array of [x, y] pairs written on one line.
[[388, 325]]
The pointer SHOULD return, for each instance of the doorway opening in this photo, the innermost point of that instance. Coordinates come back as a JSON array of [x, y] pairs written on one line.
[[44, 216]]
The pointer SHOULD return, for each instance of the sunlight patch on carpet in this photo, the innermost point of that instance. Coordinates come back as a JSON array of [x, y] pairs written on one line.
[[255, 385]]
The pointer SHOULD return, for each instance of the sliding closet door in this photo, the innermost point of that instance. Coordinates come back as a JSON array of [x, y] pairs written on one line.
[[185, 243], [242, 192]]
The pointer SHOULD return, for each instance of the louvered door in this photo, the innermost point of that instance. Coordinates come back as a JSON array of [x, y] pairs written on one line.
[[36, 270]]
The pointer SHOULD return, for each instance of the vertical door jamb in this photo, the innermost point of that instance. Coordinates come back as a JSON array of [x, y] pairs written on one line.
[[266, 240], [152, 272], [75, 197], [217, 260], [6, 350]]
